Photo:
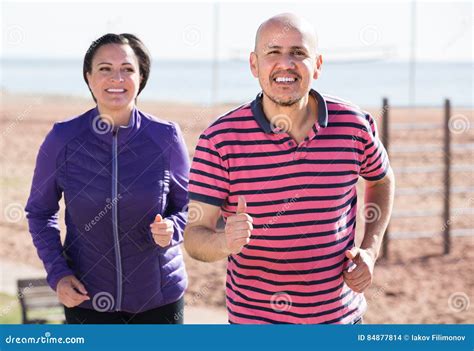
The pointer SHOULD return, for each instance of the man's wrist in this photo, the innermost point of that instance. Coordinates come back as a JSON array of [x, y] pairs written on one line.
[[372, 252]]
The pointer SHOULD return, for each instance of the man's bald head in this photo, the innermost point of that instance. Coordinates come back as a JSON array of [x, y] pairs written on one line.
[[281, 24]]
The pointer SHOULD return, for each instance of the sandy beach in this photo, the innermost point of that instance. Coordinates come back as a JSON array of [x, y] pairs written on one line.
[[416, 284]]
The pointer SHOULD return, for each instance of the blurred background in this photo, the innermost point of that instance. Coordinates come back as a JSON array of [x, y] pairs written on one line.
[[416, 54]]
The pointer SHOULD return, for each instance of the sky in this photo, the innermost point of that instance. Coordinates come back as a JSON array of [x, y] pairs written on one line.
[[184, 31]]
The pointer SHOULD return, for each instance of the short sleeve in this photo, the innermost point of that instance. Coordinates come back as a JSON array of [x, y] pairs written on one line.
[[209, 177], [375, 162]]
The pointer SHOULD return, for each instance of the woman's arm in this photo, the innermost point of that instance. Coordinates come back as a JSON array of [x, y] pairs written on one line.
[[42, 210]]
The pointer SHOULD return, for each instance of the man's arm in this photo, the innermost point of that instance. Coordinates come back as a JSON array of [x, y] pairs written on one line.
[[201, 239], [379, 197], [204, 243]]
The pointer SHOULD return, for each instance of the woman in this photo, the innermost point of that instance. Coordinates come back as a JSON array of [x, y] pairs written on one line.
[[124, 177]]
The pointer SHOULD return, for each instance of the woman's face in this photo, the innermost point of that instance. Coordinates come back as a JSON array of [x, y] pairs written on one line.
[[114, 78]]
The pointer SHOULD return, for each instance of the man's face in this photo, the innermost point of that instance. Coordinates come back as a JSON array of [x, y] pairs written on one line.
[[285, 63]]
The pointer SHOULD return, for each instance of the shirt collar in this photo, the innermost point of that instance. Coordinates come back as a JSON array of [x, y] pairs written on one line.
[[257, 110]]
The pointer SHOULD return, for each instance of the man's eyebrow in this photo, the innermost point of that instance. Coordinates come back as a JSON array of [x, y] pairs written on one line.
[[273, 47], [299, 48], [296, 47]]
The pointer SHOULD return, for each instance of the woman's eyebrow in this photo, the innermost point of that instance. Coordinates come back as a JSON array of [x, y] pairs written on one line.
[[108, 63]]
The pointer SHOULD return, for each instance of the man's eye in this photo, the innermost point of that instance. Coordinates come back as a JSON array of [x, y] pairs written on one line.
[[299, 53], [104, 69], [129, 69]]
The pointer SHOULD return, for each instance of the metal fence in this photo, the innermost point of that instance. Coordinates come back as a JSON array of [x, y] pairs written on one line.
[[447, 168]]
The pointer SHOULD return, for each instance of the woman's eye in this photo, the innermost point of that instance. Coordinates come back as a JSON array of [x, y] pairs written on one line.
[[104, 69], [129, 70]]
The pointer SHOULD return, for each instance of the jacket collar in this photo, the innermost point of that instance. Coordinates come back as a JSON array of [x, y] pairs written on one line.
[[105, 130]]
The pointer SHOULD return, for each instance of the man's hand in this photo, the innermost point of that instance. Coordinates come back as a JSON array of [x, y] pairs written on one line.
[[71, 292], [162, 230], [360, 277], [238, 228]]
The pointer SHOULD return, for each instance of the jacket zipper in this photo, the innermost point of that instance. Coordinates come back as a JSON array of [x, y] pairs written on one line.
[[118, 259]]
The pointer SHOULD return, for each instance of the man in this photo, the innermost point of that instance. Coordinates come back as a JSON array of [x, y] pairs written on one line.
[[282, 170]]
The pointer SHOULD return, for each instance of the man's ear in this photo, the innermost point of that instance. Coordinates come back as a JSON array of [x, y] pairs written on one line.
[[253, 64], [318, 66]]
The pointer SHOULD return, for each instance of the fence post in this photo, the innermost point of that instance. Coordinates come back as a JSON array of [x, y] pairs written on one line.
[[447, 178], [385, 142]]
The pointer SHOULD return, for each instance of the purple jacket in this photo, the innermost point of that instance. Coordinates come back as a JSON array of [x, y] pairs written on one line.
[[114, 183]]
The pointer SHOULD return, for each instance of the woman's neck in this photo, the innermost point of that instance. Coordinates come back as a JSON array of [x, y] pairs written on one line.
[[118, 117]]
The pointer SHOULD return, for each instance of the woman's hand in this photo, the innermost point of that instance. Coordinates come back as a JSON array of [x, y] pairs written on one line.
[[71, 292], [162, 230]]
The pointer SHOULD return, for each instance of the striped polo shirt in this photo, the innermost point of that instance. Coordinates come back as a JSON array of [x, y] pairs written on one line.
[[302, 198]]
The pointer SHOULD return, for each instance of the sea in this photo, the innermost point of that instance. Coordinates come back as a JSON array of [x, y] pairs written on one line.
[[364, 83]]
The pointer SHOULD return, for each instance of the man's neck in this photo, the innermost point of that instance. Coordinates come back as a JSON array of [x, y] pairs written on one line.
[[301, 115]]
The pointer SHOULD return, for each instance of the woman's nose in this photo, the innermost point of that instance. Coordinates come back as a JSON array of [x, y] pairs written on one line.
[[117, 76]]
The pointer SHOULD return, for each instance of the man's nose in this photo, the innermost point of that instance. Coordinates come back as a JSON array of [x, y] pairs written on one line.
[[287, 61]]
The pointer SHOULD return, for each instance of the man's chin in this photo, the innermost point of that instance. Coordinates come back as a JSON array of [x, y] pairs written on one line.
[[284, 102]]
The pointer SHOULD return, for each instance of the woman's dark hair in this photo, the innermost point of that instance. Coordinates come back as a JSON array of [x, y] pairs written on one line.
[[140, 50]]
